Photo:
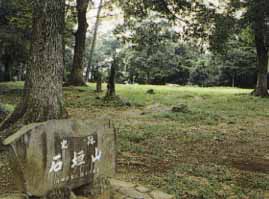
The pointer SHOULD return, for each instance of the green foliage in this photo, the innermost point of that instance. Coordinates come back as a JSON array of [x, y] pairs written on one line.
[[7, 107], [19, 14], [106, 46], [149, 50], [105, 51], [224, 28], [14, 38], [238, 64], [153, 54], [243, 16]]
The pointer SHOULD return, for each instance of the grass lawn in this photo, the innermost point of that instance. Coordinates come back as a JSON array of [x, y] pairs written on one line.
[[218, 147]]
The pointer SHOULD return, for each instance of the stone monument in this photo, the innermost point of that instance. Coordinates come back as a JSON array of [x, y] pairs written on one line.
[[64, 154]]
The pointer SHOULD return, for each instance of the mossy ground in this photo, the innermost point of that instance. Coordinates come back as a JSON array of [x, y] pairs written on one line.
[[219, 148]]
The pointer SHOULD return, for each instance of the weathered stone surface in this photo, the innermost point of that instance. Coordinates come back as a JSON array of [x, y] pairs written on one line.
[[142, 189], [117, 184], [13, 196], [131, 192], [160, 195], [107, 144], [64, 153], [125, 190], [101, 189]]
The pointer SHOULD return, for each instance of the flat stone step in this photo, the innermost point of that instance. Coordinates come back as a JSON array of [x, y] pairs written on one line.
[[127, 190], [13, 196]]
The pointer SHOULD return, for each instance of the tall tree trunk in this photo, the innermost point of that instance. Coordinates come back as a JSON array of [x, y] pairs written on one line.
[[7, 63], [98, 80], [111, 87], [77, 78], [94, 40], [43, 96], [262, 52], [148, 77], [20, 71], [262, 70]]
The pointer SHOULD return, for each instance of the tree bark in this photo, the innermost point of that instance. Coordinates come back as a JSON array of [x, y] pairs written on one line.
[[262, 52], [98, 81], [111, 88], [43, 96], [94, 40], [148, 77], [77, 78], [7, 63], [262, 70]]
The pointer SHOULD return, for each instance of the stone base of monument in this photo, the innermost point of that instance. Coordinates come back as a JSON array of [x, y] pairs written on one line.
[[56, 158], [13, 196], [100, 189]]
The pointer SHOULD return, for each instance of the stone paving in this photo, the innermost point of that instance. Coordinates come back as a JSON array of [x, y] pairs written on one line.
[[126, 190], [120, 190]]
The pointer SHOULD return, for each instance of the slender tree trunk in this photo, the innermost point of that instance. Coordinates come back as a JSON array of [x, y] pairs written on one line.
[[98, 81], [20, 72], [262, 52], [233, 79], [131, 78], [7, 63], [94, 39], [43, 96], [77, 78], [148, 77], [93, 70], [262, 70], [111, 87]]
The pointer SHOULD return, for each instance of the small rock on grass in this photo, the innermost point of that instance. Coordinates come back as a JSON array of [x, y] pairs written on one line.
[[181, 108], [151, 92]]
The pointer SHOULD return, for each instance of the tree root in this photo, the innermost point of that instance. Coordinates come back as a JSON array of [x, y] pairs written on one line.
[[259, 93], [74, 83]]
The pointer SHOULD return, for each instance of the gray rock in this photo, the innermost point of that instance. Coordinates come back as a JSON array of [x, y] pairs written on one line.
[[181, 108], [117, 184], [151, 92], [13, 196], [131, 192], [161, 195], [142, 189]]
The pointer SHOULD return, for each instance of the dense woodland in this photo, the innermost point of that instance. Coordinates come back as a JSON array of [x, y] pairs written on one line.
[[193, 44]]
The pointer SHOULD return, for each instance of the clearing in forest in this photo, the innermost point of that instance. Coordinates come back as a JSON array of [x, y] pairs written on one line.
[[194, 142]]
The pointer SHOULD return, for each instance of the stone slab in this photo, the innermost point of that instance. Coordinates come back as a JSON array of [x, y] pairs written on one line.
[[117, 184], [142, 189], [161, 195], [64, 153], [13, 196], [128, 190], [132, 193]]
